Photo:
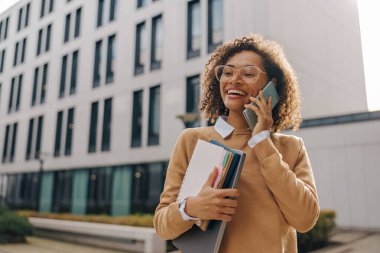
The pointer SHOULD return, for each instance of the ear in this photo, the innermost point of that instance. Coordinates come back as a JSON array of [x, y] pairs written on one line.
[[274, 80]]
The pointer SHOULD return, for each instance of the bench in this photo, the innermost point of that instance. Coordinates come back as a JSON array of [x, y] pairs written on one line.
[[121, 237]]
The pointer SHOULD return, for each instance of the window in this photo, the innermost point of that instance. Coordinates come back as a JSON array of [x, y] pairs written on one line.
[[2, 60], [215, 24], [15, 94], [99, 21], [110, 62], [73, 74], [67, 28], [44, 35], [76, 33], [4, 29], [110, 59], [137, 118], [23, 17], [113, 9], [93, 127], [58, 134], [33, 147], [62, 191], [9, 146], [47, 6], [154, 116], [193, 29], [107, 117], [157, 42], [98, 53], [192, 98], [99, 191], [78, 15], [20, 49], [106, 130], [67, 135], [69, 131], [148, 183], [140, 48], [39, 85], [141, 3]]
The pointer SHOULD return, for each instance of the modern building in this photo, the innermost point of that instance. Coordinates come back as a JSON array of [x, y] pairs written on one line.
[[91, 91]]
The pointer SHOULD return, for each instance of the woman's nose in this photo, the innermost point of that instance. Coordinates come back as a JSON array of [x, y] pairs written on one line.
[[236, 77]]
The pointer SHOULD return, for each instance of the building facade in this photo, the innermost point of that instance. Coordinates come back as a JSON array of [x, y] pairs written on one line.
[[90, 91]]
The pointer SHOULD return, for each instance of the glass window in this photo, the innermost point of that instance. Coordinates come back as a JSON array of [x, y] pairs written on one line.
[[193, 29], [107, 117], [35, 85], [39, 137], [30, 139], [141, 3], [110, 59], [113, 9], [19, 19], [13, 144], [140, 48], [63, 77], [11, 94], [192, 93], [154, 116], [39, 41], [19, 89], [2, 60], [62, 192], [137, 118], [23, 50], [99, 191], [98, 53], [16, 54], [93, 127], [5, 144], [157, 42], [58, 134], [100, 13], [42, 12], [67, 28], [27, 15], [48, 35], [69, 131], [74, 71], [44, 83], [77, 22]]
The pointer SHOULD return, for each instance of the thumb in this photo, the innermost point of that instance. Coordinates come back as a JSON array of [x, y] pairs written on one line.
[[211, 178]]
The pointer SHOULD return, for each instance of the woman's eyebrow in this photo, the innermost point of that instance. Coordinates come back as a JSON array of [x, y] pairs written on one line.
[[247, 65]]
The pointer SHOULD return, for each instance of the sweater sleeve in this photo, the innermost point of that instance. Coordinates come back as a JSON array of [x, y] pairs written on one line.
[[167, 219], [293, 188]]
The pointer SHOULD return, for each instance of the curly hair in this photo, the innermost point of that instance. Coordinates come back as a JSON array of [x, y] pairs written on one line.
[[286, 114]]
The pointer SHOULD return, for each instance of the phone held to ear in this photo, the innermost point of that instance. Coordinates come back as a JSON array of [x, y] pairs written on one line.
[[269, 91]]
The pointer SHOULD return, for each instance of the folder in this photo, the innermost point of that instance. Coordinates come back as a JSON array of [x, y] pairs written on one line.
[[196, 240]]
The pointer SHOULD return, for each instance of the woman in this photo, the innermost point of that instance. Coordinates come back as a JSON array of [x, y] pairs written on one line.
[[276, 195]]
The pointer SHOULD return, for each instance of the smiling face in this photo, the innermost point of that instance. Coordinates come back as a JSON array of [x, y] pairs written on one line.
[[236, 91]]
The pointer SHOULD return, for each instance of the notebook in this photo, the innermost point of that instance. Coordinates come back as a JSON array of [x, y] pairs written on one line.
[[196, 240]]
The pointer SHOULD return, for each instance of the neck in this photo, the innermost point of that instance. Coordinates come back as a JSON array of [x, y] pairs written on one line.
[[237, 120]]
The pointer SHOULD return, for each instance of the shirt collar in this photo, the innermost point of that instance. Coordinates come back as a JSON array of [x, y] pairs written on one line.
[[223, 128]]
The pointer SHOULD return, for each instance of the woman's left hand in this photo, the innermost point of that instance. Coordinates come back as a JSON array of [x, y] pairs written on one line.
[[263, 111]]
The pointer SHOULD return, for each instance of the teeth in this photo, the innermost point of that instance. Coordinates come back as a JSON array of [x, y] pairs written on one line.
[[236, 92]]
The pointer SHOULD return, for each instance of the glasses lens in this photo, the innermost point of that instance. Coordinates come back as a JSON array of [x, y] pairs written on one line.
[[249, 73], [223, 72]]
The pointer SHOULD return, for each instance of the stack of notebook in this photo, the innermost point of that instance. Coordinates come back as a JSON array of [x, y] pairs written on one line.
[[207, 156]]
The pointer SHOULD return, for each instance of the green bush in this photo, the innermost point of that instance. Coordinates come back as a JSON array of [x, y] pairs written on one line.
[[13, 228], [138, 220], [319, 236]]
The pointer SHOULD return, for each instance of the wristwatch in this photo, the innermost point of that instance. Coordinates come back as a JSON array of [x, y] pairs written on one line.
[[184, 215], [258, 138]]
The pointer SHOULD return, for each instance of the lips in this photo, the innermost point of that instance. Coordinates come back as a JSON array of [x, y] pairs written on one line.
[[236, 92]]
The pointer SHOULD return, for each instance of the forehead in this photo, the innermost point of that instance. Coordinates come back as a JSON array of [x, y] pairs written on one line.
[[244, 58]]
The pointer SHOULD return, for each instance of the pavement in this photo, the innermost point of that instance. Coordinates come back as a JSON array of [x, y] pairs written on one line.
[[343, 241]]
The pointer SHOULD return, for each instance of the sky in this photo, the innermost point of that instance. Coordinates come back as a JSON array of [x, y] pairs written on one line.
[[368, 14]]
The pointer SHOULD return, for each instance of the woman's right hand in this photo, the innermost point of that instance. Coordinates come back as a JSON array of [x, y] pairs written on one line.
[[211, 203]]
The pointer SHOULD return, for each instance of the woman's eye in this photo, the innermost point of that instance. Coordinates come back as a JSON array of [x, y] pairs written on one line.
[[227, 73]]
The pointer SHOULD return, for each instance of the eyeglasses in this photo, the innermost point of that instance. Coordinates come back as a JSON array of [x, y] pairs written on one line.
[[249, 74]]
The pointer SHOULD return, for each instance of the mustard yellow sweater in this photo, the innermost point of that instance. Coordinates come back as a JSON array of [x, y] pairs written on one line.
[[277, 192]]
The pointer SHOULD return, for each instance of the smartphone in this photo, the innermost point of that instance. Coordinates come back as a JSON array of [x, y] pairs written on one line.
[[269, 91]]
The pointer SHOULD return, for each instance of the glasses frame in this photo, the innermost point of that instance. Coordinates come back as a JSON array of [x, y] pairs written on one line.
[[237, 70]]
